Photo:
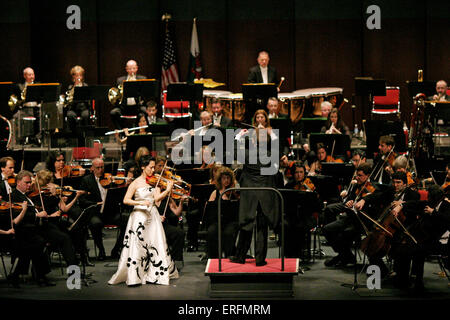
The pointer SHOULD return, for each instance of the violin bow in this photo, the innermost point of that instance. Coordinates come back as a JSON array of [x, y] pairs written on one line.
[[40, 196], [10, 210], [384, 162]]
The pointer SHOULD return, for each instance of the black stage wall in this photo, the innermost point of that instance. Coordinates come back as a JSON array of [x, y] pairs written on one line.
[[311, 43]]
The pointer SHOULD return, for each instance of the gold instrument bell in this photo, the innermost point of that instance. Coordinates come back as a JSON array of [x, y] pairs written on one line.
[[14, 101], [115, 94]]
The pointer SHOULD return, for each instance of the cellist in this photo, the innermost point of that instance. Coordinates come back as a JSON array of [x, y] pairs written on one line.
[[341, 233]]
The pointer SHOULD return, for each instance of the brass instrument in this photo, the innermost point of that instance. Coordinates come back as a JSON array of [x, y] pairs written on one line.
[[14, 101], [115, 94]]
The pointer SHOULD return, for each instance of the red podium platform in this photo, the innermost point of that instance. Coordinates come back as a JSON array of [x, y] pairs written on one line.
[[249, 281]]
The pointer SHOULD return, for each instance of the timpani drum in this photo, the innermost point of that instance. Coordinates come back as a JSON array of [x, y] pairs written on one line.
[[208, 96], [319, 95], [293, 104], [236, 100]]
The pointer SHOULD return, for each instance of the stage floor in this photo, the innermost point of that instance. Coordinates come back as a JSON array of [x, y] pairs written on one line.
[[316, 283]]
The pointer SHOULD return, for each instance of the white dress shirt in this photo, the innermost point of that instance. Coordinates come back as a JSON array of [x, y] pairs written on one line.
[[264, 74]]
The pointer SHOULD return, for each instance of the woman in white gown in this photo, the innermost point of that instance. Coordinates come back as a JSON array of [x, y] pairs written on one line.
[[145, 257]]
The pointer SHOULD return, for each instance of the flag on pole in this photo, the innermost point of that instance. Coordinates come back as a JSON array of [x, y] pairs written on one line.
[[169, 72], [195, 68]]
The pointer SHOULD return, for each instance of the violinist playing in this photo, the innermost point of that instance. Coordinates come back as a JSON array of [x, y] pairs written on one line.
[[401, 165], [341, 232], [322, 156], [301, 182], [30, 242], [56, 163], [45, 196], [92, 201], [7, 177]]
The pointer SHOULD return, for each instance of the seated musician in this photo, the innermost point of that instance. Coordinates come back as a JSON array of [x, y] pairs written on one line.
[[382, 166], [446, 184], [29, 243], [400, 165], [322, 156], [427, 230], [301, 219], [44, 194], [170, 215], [93, 200], [285, 173], [335, 124], [441, 92], [325, 108], [224, 179], [301, 182], [7, 168], [77, 108], [129, 103], [404, 199], [151, 113], [273, 109], [218, 117], [141, 122], [358, 157], [56, 163], [341, 232]]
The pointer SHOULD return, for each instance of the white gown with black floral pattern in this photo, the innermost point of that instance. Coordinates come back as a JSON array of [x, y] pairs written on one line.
[[145, 256]]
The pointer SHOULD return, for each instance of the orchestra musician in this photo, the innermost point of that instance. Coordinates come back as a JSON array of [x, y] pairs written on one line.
[[141, 122], [441, 92], [54, 207], [427, 229], [77, 108], [256, 206], [131, 68], [56, 163], [322, 156], [224, 179], [335, 124], [263, 73], [341, 232], [383, 167], [30, 242], [301, 182], [273, 110], [7, 168], [93, 199], [151, 113], [325, 108], [358, 157], [401, 164], [218, 118], [132, 163]]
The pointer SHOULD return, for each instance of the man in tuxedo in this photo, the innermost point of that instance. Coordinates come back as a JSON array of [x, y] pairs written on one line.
[[273, 110], [7, 168], [29, 241], [219, 119], [441, 92], [131, 68], [263, 73], [92, 202]]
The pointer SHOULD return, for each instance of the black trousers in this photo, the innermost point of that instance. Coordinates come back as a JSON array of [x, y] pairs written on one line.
[[29, 245], [60, 239], [245, 239], [175, 240], [341, 233], [96, 223], [229, 236]]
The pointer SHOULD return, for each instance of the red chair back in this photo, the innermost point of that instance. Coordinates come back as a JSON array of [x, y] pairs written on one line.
[[391, 99]]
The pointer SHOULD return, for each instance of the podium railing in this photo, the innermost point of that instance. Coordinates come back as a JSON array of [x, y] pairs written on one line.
[[219, 224]]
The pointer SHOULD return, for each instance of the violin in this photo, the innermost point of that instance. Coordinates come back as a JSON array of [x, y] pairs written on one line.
[[108, 180], [177, 191], [5, 206], [12, 181], [305, 185], [72, 171]]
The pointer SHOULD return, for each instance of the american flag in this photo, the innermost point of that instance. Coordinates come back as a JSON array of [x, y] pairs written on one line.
[[169, 65]]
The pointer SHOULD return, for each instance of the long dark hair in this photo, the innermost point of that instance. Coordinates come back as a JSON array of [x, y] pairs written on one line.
[[51, 159], [339, 123]]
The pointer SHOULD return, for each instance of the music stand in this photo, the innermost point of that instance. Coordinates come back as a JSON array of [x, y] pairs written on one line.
[[96, 92], [442, 114], [184, 91], [341, 171], [140, 89], [43, 92], [135, 141], [160, 129], [194, 176], [284, 126], [369, 87], [341, 142], [255, 96], [426, 87]]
